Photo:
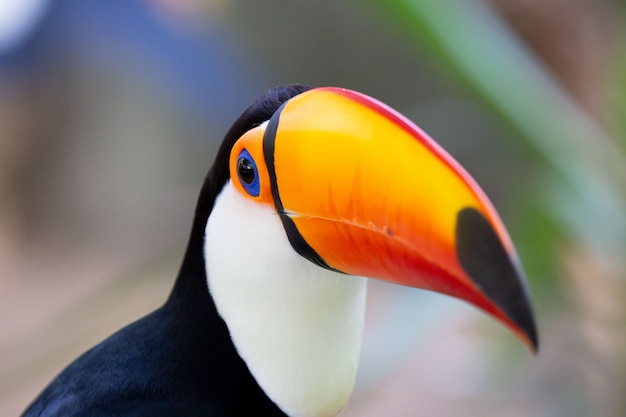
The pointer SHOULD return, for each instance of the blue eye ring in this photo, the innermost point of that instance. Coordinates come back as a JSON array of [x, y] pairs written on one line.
[[248, 173]]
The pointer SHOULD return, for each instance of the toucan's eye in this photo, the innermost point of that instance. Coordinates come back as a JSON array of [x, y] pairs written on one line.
[[247, 173]]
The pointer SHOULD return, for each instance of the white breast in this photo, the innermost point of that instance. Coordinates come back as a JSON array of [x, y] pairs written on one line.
[[297, 326]]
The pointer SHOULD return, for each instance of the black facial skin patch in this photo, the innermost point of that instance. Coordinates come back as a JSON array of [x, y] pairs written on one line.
[[299, 244]]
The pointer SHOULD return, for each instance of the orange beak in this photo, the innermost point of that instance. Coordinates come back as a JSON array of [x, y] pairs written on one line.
[[362, 190]]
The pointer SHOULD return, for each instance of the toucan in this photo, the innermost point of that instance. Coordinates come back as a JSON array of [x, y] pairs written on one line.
[[313, 190]]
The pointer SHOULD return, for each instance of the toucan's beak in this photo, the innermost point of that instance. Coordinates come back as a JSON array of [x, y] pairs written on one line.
[[363, 191]]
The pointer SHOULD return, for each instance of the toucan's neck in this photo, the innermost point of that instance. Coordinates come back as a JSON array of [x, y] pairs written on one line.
[[203, 333], [298, 326], [190, 298]]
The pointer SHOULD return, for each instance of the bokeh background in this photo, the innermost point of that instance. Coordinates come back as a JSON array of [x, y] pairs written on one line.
[[110, 114]]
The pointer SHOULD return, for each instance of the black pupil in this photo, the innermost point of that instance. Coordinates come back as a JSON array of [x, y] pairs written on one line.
[[245, 170]]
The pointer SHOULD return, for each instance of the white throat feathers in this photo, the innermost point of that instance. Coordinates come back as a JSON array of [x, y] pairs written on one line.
[[298, 327]]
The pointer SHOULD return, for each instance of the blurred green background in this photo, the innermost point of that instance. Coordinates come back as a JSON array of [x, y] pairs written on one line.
[[110, 114]]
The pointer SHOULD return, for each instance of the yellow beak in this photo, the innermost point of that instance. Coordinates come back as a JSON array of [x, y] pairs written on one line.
[[362, 190]]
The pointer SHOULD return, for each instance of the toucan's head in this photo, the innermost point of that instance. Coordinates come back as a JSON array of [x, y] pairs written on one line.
[[333, 185]]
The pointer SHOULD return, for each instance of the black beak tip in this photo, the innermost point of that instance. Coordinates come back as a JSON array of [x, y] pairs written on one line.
[[486, 261]]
